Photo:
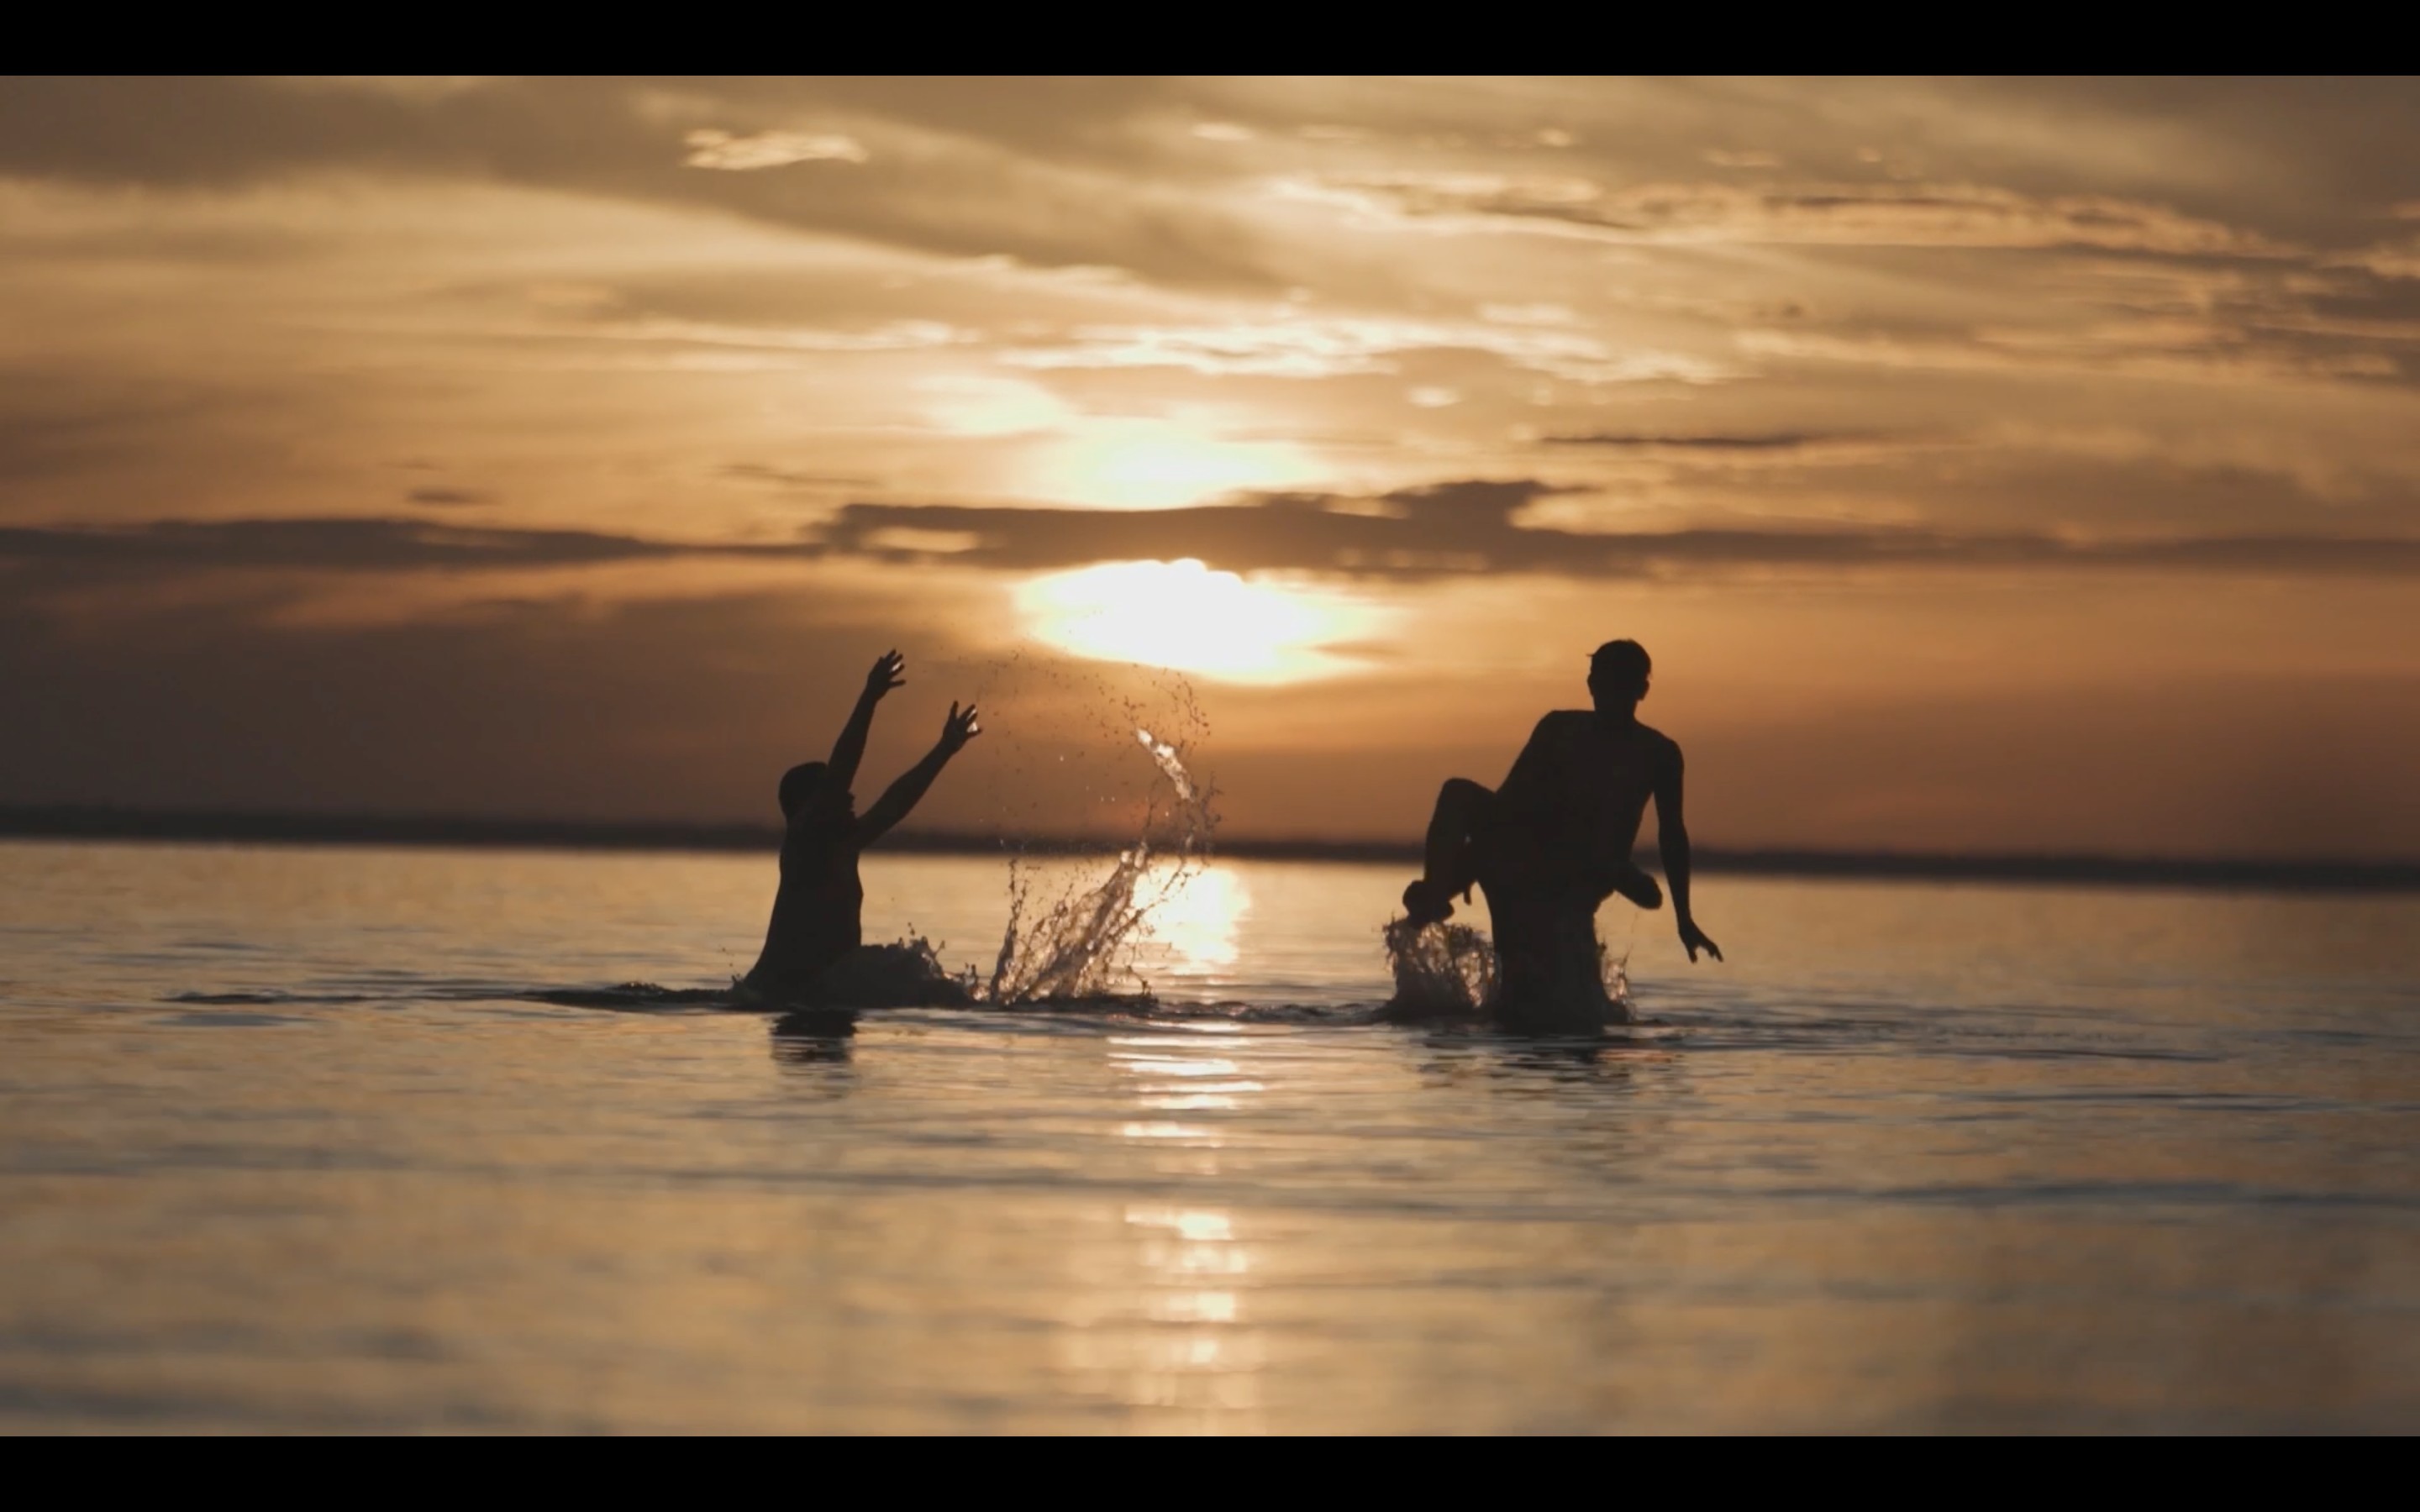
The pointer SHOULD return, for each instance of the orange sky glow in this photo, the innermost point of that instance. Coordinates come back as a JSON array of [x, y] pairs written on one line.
[[1987, 464]]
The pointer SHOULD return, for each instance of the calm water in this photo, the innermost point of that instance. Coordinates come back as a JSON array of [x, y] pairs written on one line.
[[281, 1150]]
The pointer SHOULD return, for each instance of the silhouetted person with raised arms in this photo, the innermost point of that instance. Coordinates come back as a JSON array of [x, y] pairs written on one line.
[[815, 914], [1554, 842]]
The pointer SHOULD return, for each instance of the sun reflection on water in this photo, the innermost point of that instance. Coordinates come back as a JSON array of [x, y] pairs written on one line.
[[1194, 1266], [1199, 920], [1174, 1330]]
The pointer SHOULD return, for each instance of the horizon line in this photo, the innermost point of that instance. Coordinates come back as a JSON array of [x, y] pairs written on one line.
[[130, 824]]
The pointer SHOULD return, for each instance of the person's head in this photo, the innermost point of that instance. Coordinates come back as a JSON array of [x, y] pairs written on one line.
[[808, 790], [1618, 674]]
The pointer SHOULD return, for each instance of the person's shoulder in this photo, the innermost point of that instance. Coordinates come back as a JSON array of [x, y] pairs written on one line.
[[1664, 746], [1563, 722]]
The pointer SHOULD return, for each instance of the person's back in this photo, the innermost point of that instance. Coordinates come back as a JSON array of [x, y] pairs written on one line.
[[1578, 792], [817, 907]]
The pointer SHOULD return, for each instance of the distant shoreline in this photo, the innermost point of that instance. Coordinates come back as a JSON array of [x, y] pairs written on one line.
[[95, 823]]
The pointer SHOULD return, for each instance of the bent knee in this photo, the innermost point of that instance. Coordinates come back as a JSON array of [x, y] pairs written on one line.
[[1463, 790]]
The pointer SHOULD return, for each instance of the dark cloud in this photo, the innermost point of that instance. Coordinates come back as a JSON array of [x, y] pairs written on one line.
[[62, 418], [221, 131], [2319, 154], [2131, 767], [1447, 529], [1032, 170], [680, 709], [2164, 758], [1470, 527], [1066, 171], [519, 708], [1846, 214], [442, 498], [1786, 441], [368, 544], [792, 478], [690, 709]]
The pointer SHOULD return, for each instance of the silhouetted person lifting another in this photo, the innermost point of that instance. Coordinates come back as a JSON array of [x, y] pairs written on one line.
[[1554, 842], [815, 913]]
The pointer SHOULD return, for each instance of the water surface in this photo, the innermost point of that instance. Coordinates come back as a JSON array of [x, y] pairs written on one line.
[[287, 1143]]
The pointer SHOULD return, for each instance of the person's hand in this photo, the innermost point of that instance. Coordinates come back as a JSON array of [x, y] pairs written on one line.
[[1694, 940], [885, 676], [958, 728]]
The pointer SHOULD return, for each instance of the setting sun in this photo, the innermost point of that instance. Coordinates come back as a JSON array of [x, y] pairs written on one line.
[[1183, 616]]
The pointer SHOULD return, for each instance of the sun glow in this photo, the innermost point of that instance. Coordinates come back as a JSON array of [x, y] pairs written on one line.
[[1188, 618], [1153, 464]]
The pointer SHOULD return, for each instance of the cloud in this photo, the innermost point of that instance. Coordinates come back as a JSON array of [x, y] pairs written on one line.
[[347, 545], [691, 709], [732, 153], [2202, 352], [1112, 171], [1411, 534], [1770, 442], [1530, 314], [1318, 346], [558, 704], [1473, 527], [2388, 259], [1051, 174], [889, 336], [1839, 214], [793, 478], [522, 707], [443, 498]]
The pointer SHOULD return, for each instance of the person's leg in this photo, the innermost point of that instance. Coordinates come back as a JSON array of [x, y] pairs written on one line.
[[1451, 866], [1625, 878], [1550, 968], [1461, 809]]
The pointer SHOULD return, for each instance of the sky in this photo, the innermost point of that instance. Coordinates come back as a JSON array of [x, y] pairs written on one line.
[[1987, 465]]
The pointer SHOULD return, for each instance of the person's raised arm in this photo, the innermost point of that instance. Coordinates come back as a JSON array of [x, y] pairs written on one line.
[[1672, 840], [850, 749], [901, 796]]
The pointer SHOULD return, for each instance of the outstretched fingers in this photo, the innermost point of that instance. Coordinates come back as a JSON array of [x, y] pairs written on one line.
[[961, 726], [887, 672]]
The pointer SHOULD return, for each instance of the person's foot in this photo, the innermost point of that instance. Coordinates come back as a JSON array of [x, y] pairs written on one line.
[[1427, 902]]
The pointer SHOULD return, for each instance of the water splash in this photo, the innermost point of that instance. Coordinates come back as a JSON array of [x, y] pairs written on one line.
[[1440, 970], [1614, 971], [1451, 971], [1171, 764], [1077, 946], [906, 973]]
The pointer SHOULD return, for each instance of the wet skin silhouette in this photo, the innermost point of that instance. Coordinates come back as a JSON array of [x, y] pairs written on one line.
[[1555, 839], [816, 912]]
